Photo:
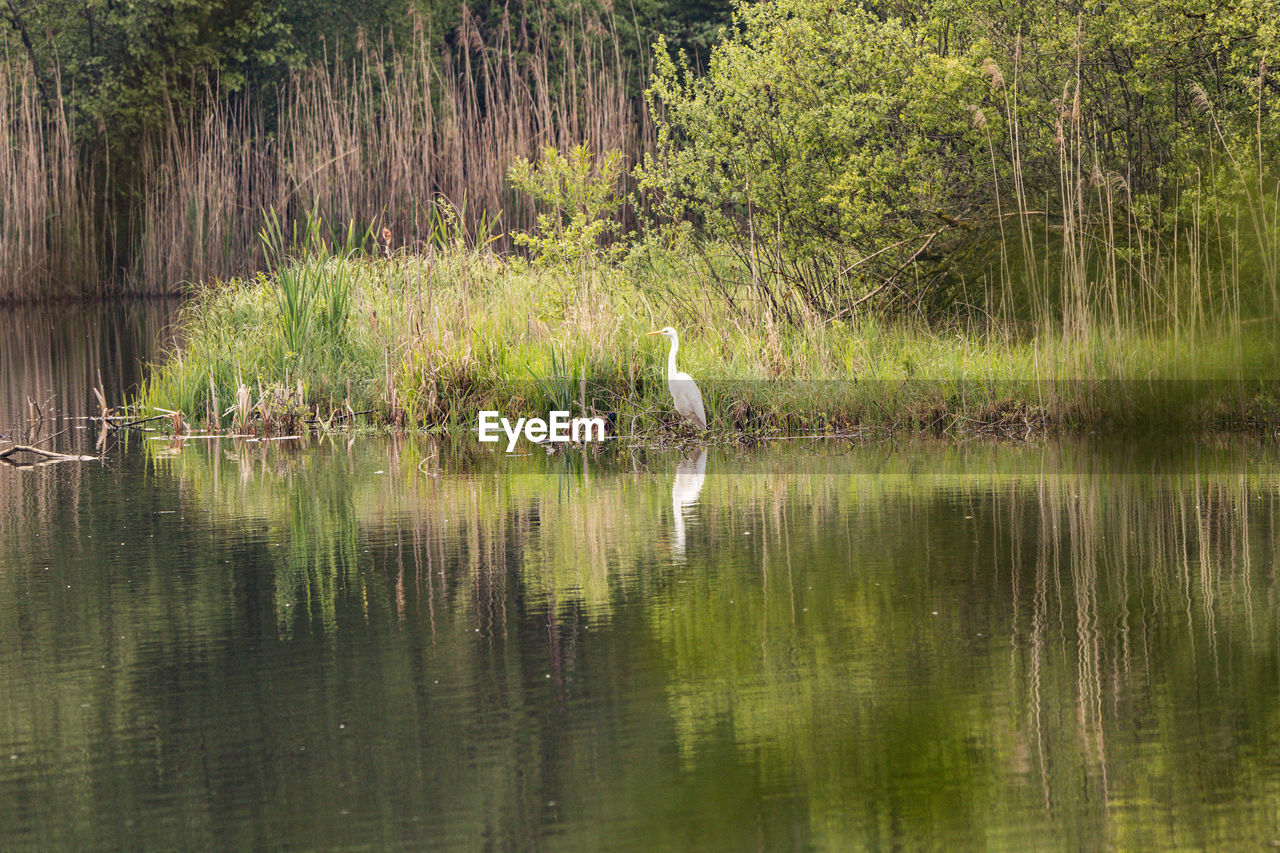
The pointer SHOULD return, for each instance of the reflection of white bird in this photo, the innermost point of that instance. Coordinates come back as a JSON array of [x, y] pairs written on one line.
[[684, 391], [684, 492]]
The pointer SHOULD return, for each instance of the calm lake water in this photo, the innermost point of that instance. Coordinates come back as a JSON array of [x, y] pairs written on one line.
[[403, 644]]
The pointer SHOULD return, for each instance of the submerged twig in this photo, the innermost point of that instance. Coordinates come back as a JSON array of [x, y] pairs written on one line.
[[47, 438], [132, 424]]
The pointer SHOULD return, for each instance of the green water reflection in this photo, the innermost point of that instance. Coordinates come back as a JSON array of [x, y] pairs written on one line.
[[403, 644]]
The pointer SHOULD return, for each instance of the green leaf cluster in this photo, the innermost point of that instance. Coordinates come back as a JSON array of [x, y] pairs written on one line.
[[838, 147], [820, 135], [576, 194], [128, 68]]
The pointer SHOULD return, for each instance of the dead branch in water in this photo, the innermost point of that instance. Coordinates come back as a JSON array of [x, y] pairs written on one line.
[[42, 457]]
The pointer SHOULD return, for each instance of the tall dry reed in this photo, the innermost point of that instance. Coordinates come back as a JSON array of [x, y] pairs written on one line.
[[1093, 256], [49, 244], [210, 180], [383, 143], [374, 141]]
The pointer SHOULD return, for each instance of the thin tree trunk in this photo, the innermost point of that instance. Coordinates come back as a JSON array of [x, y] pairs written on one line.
[[15, 19]]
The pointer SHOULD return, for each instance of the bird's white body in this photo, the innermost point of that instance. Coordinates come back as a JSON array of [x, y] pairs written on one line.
[[684, 391]]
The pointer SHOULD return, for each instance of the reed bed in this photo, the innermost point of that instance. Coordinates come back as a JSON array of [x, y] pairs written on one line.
[[211, 180], [380, 142], [50, 240], [1095, 256]]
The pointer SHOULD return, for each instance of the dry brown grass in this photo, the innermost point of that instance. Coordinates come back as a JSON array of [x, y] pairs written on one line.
[[375, 143], [48, 234], [383, 144]]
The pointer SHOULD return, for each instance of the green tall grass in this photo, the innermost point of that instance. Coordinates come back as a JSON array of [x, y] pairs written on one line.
[[431, 340]]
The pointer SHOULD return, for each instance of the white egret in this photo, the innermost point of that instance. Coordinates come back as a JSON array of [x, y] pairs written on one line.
[[684, 392]]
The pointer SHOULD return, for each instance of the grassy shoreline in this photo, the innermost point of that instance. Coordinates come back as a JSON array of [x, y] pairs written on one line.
[[424, 342]]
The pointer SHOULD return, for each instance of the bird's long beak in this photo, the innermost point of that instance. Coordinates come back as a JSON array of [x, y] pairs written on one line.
[[654, 333]]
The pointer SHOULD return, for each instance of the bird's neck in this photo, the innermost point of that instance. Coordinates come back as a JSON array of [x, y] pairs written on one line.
[[671, 359]]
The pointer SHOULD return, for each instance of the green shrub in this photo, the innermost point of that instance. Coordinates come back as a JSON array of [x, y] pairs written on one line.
[[1058, 157], [821, 143], [576, 195]]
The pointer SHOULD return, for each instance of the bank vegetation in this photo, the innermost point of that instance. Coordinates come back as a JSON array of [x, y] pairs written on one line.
[[961, 216]]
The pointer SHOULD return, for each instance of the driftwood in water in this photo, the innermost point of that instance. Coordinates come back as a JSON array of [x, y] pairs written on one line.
[[16, 456]]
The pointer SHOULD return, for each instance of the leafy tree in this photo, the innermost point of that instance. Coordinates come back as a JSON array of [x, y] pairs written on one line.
[[840, 146], [826, 145], [1130, 74]]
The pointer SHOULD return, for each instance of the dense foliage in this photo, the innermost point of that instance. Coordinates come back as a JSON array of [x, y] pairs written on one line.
[[127, 66], [831, 139], [850, 155], [821, 136]]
